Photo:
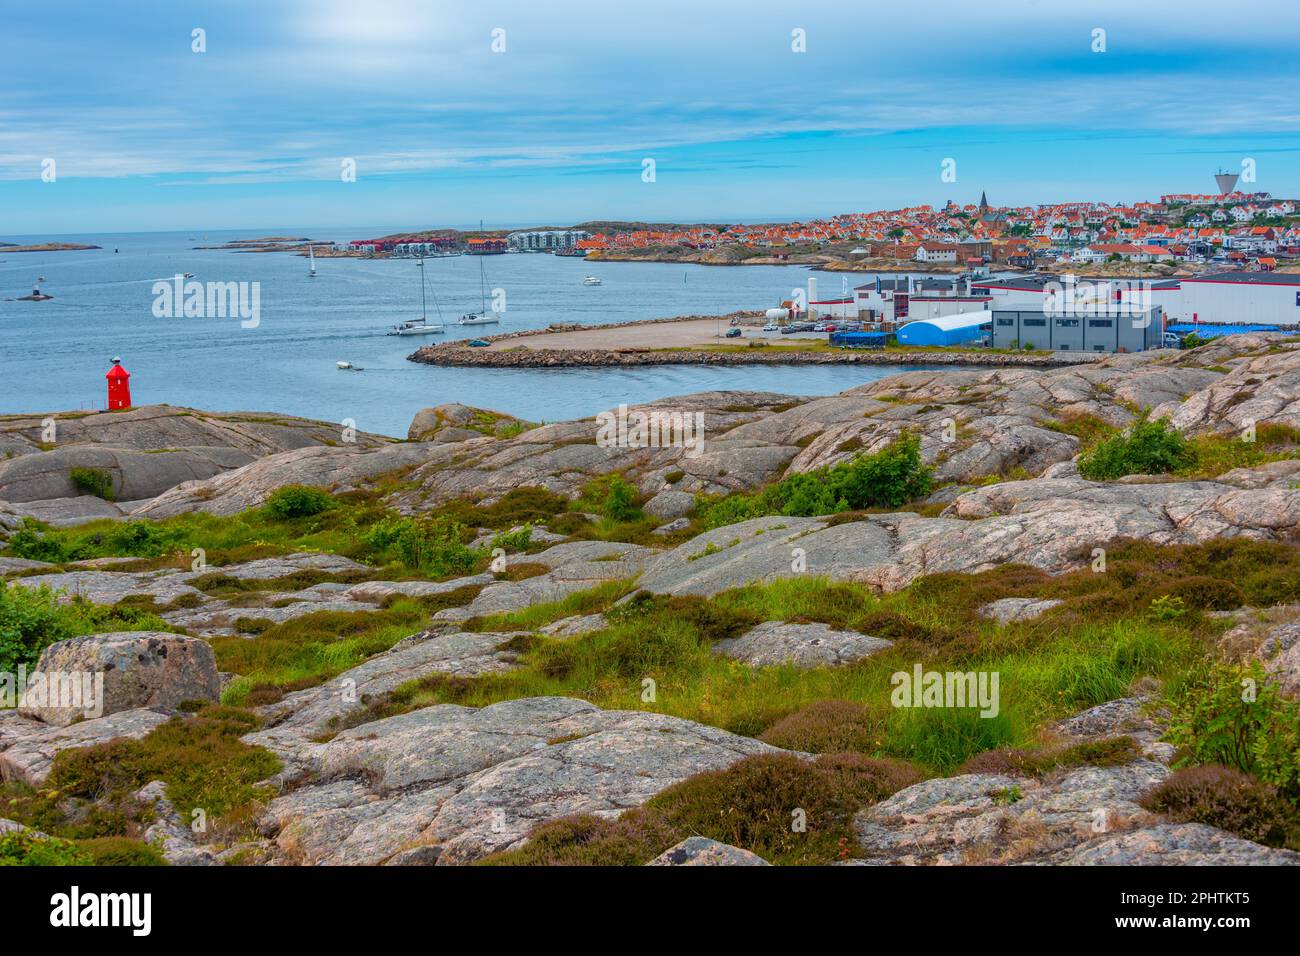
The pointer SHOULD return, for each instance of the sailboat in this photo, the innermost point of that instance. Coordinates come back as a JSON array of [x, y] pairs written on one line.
[[312, 254], [420, 326], [483, 316]]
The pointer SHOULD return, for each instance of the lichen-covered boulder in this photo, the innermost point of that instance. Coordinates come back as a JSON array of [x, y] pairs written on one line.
[[118, 672]]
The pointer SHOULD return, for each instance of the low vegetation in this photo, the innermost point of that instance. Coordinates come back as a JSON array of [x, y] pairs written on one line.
[[1145, 448], [887, 478], [1090, 649], [31, 619], [785, 809], [88, 807]]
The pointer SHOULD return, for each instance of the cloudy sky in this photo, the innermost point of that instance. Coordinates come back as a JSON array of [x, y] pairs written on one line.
[[147, 134]]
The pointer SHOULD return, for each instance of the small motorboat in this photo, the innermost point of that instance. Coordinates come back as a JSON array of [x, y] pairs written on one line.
[[344, 365], [188, 275], [591, 280]]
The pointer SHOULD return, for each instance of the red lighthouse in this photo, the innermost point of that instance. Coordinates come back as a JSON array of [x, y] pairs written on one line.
[[119, 386]]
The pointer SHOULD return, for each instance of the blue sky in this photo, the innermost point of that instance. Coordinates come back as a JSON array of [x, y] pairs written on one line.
[[147, 134]]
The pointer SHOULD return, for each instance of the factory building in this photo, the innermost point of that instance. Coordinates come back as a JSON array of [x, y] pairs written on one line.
[[1024, 323]]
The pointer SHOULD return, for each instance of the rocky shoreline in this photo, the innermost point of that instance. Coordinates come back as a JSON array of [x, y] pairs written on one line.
[[452, 355]]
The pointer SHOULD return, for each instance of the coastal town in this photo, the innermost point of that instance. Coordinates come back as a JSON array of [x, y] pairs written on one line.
[[1182, 230]]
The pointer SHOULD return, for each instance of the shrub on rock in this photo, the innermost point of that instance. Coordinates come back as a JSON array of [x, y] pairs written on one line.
[[1230, 800], [1147, 448], [297, 501]]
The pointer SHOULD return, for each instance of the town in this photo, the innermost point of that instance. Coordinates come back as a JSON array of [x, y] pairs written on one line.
[[1233, 229]]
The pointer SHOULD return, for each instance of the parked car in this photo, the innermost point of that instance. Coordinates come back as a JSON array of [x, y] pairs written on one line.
[[1172, 340], [830, 328], [478, 344], [732, 333], [771, 328], [787, 329], [819, 327]]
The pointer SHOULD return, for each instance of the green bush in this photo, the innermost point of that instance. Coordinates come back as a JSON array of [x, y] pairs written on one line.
[[31, 619], [429, 544], [1147, 448], [26, 848], [620, 501], [1235, 716], [297, 501], [121, 851], [140, 539], [93, 481], [888, 478]]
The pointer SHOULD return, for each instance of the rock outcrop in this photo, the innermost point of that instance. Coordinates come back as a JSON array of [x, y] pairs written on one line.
[[133, 669], [471, 782], [802, 645]]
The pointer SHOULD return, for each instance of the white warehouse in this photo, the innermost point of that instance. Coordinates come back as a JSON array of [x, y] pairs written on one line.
[[1226, 298]]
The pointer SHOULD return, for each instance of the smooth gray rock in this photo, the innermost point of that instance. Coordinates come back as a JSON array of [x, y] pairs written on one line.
[[670, 504], [473, 782], [1176, 844], [1010, 610], [992, 818], [802, 645], [701, 851]]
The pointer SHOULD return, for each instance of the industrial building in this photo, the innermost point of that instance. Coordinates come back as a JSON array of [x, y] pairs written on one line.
[[890, 303], [1025, 323], [963, 328], [1232, 298]]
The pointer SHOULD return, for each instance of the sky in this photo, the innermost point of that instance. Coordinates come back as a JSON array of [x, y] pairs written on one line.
[[527, 113]]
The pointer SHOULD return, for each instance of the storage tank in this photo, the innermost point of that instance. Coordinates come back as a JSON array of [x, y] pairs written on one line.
[[777, 315]]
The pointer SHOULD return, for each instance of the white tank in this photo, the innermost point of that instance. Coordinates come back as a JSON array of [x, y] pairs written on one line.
[[777, 315]]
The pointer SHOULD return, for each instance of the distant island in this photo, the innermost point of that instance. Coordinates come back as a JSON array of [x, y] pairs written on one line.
[[47, 247]]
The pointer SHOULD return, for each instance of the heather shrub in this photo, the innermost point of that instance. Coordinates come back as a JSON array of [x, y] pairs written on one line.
[[752, 805], [1230, 800], [827, 726]]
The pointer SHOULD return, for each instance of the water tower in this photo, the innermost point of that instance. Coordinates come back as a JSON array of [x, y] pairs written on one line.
[[1227, 181]]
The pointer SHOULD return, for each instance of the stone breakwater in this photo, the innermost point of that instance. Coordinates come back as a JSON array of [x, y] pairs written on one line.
[[588, 358]]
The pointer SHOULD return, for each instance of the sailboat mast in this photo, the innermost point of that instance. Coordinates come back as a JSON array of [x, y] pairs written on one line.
[[423, 308]]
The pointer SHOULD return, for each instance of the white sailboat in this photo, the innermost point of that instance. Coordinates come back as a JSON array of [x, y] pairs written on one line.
[[422, 325], [483, 316], [311, 253]]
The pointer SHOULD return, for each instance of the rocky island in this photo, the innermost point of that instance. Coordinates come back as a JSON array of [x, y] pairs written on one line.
[[652, 640]]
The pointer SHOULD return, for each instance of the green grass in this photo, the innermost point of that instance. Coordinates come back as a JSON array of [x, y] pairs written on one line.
[[1089, 650], [309, 650]]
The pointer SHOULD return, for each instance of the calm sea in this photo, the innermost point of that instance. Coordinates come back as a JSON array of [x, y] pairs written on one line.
[[56, 352]]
